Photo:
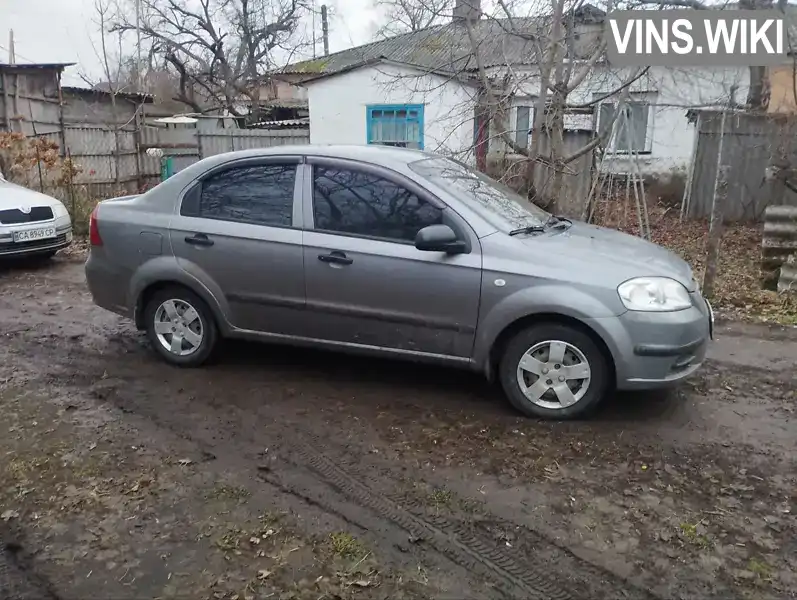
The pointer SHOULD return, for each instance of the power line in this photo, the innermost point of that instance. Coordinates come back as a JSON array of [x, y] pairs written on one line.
[[16, 52]]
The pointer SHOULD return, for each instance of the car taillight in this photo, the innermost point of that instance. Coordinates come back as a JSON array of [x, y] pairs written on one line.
[[94, 230]]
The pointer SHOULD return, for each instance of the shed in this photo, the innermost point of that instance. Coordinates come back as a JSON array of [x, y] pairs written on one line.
[[30, 97]]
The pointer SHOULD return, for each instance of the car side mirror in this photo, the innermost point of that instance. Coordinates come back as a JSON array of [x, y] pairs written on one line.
[[439, 238]]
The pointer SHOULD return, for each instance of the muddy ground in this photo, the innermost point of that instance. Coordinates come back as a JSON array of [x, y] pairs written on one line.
[[281, 473]]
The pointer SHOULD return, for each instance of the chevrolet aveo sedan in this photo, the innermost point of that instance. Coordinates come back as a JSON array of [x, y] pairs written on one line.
[[397, 253], [31, 224]]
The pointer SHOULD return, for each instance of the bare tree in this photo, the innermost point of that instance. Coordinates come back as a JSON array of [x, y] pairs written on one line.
[[552, 53], [221, 50], [565, 46], [758, 94], [153, 76], [402, 16], [110, 54]]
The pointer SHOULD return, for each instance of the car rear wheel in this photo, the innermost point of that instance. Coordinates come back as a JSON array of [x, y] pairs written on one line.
[[180, 327], [554, 372]]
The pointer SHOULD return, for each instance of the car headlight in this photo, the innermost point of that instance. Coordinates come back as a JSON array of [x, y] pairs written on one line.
[[59, 210], [654, 294]]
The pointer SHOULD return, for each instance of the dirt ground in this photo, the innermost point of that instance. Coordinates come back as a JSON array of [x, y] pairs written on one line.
[[291, 474]]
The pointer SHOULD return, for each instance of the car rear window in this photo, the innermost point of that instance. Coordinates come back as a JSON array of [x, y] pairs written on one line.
[[257, 194]]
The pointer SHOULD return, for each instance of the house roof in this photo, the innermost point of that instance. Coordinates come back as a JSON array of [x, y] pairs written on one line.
[[444, 48], [132, 97], [465, 77], [39, 66]]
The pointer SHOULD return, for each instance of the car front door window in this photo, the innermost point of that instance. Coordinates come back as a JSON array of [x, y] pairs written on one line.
[[361, 204]]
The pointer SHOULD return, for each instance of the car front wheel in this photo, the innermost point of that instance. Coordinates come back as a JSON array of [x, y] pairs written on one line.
[[554, 372], [180, 327]]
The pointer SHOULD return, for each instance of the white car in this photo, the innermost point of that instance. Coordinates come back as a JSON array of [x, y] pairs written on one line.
[[31, 224]]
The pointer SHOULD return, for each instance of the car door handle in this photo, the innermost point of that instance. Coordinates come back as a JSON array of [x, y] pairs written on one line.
[[199, 239], [336, 257]]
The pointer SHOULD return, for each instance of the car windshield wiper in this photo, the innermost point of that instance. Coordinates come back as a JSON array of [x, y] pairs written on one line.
[[528, 229], [553, 221]]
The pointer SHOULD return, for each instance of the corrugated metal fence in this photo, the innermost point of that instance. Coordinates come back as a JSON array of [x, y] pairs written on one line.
[[778, 244], [750, 144]]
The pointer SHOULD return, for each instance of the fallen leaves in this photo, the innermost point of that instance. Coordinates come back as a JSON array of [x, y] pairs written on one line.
[[8, 515]]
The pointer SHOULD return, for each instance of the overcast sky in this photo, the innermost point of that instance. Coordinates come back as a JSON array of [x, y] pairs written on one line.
[[63, 30]]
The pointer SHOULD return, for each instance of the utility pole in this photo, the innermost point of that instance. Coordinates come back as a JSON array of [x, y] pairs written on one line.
[[312, 11], [12, 59], [139, 66], [718, 206], [325, 28]]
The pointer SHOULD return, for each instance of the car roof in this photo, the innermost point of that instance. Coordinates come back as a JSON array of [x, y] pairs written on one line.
[[380, 155]]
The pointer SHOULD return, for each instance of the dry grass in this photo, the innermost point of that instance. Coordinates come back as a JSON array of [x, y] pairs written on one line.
[[738, 293]]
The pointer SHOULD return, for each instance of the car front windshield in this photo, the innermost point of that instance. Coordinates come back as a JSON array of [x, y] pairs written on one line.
[[496, 202]]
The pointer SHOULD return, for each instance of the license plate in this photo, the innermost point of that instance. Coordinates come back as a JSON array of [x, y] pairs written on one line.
[[710, 320], [30, 235]]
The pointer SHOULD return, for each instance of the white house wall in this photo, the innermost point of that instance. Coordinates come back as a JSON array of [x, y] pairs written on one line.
[[338, 106], [672, 91]]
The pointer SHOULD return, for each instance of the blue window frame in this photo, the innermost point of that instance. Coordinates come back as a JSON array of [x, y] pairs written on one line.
[[395, 125]]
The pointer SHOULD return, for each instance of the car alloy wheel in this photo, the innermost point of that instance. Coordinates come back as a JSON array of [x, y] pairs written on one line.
[[178, 327], [555, 371], [553, 374]]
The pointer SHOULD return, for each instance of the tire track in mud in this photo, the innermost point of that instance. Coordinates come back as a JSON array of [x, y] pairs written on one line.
[[514, 575], [512, 579], [461, 546], [540, 543]]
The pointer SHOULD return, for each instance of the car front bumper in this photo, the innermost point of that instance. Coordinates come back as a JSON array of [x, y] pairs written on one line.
[[9, 248], [654, 350]]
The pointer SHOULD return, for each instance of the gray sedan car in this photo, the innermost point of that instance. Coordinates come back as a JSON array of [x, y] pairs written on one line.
[[398, 253]]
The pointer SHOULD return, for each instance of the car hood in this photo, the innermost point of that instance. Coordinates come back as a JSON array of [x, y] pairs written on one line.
[[14, 196], [629, 255]]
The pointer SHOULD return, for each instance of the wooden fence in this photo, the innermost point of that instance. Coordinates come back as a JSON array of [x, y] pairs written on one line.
[[750, 145], [101, 165]]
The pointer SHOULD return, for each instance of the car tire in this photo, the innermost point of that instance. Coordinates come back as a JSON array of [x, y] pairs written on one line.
[[178, 312], [572, 347]]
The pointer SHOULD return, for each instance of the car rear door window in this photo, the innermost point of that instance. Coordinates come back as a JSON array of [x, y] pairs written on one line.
[[257, 194], [359, 203]]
